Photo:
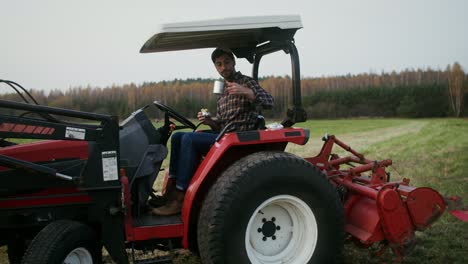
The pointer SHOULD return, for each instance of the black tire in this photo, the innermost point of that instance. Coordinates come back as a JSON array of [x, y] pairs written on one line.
[[231, 209], [57, 240]]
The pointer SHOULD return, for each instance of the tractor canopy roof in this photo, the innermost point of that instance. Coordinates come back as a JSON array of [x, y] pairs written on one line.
[[240, 34]]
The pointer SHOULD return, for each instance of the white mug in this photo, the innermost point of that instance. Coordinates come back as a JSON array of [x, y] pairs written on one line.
[[218, 87]]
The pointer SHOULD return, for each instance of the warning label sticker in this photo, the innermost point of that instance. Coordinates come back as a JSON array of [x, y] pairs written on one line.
[[75, 133], [109, 165]]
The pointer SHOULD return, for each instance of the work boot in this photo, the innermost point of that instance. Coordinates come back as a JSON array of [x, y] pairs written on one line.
[[160, 200], [173, 205]]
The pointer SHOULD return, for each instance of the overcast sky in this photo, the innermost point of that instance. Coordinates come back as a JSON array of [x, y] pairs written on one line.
[[57, 44]]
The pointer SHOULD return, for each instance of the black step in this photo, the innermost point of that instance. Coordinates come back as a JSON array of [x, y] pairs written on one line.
[[166, 259], [156, 220]]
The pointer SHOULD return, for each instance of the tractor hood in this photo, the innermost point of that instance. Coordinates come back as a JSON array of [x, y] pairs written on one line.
[[240, 34]]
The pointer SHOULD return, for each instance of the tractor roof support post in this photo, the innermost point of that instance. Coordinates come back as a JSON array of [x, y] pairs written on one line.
[[297, 113], [255, 66], [296, 75]]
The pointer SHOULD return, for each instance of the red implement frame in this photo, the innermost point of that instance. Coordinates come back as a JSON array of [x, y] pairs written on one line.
[[377, 210]]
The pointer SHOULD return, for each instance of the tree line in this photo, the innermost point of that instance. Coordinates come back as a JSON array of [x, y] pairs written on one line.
[[409, 93]]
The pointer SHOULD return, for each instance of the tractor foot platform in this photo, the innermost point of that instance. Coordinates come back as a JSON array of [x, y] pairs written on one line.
[[156, 220], [154, 260]]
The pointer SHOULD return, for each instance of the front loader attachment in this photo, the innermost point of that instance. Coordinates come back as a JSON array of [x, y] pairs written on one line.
[[76, 166], [376, 209]]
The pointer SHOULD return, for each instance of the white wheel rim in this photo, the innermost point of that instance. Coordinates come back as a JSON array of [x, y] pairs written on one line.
[[79, 256], [282, 229]]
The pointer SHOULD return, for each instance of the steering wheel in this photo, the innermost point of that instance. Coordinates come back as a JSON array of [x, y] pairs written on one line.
[[172, 113]]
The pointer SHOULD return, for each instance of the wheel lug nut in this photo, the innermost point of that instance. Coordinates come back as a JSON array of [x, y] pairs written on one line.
[[273, 237], [263, 220], [273, 219], [264, 238], [278, 228], [259, 230]]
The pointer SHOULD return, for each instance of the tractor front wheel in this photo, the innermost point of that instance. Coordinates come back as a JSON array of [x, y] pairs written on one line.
[[271, 207], [64, 241]]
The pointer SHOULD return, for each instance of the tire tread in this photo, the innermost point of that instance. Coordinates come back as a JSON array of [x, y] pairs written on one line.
[[46, 242]]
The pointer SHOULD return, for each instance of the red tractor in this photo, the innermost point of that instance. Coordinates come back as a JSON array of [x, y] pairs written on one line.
[[86, 184]]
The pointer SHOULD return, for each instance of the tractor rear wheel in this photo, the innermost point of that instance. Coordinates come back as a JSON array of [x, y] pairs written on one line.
[[64, 241], [271, 207]]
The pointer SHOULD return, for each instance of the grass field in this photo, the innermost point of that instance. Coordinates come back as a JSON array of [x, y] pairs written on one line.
[[431, 152]]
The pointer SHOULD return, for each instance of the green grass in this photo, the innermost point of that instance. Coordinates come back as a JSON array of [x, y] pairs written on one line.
[[342, 126], [430, 152]]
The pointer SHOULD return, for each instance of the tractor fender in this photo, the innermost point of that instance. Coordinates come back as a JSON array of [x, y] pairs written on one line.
[[231, 147]]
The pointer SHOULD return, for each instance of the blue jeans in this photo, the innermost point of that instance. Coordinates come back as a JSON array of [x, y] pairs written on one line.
[[186, 150]]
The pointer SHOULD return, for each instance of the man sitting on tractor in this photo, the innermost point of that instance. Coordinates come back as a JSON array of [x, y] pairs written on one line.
[[237, 108]]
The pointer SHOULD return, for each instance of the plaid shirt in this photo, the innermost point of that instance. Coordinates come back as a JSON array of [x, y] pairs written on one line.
[[238, 109]]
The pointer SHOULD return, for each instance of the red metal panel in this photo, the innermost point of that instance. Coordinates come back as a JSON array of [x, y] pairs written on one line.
[[48, 150], [425, 206], [460, 214], [127, 204], [363, 220], [396, 222]]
